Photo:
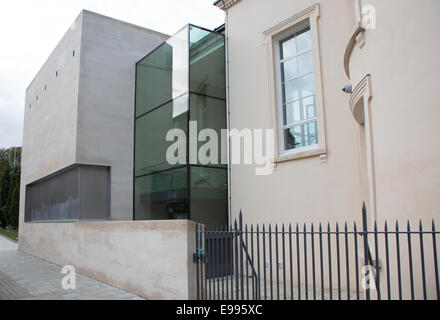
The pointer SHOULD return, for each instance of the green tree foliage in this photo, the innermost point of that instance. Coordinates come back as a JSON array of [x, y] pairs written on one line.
[[9, 186]]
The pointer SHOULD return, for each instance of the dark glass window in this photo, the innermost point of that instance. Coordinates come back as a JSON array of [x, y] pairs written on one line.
[[151, 132], [180, 81], [77, 193]]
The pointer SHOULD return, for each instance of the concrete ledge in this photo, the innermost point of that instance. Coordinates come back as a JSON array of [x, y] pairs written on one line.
[[149, 258]]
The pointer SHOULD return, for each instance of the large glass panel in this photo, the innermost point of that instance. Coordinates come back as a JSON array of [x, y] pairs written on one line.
[[209, 200], [210, 113], [163, 74], [173, 80], [162, 196], [207, 63], [151, 131]]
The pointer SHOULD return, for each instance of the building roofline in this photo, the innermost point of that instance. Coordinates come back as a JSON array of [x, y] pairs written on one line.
[[225, 4], [85, 11], [78, 17]]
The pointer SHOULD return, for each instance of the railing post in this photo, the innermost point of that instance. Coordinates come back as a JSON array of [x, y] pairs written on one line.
[[241, 254], [197, 261], [366, 250]]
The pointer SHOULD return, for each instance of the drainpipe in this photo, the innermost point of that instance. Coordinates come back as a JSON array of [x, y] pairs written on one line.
[[228, 112]]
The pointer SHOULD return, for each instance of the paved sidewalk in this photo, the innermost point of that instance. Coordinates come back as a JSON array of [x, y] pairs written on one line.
[[23, 276]]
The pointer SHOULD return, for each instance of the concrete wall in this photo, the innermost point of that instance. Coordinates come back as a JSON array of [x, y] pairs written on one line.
[[150, 258], [110, 49], [50, 123]]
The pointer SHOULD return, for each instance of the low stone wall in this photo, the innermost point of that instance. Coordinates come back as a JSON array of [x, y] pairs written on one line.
[[150, 258]]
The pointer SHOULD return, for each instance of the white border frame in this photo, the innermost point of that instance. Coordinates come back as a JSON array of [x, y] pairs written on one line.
[[271, 35]]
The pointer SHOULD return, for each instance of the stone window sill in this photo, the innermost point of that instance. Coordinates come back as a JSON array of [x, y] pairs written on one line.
[[322, 153]]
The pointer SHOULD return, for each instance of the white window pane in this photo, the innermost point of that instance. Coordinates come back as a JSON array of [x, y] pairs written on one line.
[[305, 63], [310, 134], [298, 88], [293, 138], [304, 40], [288, 48], [301, 136], [292, 112], [289, 70], [309, 108]]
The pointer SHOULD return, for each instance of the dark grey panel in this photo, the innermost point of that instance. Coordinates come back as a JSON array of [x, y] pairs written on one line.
[[79, 192], [94, 193]]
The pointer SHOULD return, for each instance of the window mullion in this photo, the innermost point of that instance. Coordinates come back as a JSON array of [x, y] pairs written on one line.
[[296, 55], [299, 123]]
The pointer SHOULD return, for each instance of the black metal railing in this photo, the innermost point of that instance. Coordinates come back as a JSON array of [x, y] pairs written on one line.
[[253, 262]]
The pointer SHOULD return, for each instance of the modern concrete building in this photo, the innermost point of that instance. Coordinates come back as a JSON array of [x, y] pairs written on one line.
[[88, 80], [95, 125], [77, 166], [97, 116]]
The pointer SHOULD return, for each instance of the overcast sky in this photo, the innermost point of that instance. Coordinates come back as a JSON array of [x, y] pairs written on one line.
[[30, 30]]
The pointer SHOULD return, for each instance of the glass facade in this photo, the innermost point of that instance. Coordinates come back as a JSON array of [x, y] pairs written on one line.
[[182, 80]]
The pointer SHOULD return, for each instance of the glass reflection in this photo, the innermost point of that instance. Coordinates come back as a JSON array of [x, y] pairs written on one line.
[[185, 75]]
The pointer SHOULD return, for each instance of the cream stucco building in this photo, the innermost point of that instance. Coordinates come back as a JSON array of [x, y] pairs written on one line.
[[377, 144]]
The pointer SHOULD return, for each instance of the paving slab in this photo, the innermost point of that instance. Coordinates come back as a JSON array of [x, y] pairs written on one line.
[[25, 277]]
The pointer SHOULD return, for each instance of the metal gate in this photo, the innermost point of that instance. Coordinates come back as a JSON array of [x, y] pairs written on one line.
[[268, 262]]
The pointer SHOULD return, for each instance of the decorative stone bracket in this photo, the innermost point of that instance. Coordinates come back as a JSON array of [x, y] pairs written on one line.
[[357, 36]]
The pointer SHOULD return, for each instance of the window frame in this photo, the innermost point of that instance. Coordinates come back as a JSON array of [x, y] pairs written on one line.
[[306, 18], [282, 122]]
